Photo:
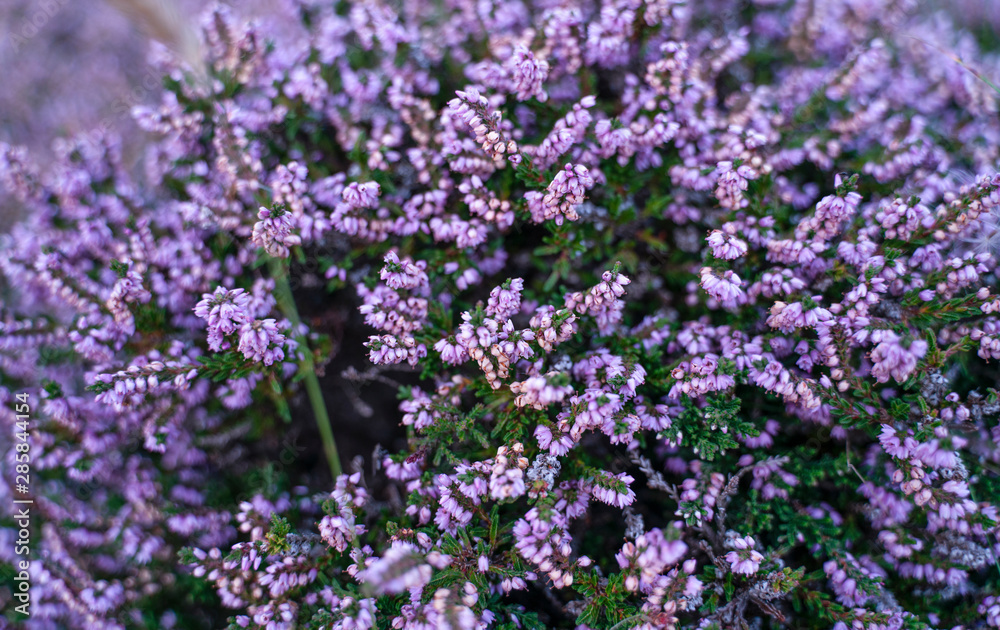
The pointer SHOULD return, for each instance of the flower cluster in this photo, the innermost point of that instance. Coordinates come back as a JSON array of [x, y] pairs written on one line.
[[689, 310]]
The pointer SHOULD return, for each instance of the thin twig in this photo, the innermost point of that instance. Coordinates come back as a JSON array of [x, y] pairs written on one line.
[[959, 61], [847, 454], [655, 477], [371, 374]]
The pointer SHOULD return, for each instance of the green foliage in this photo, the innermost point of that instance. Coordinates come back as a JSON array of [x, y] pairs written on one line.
[[710, 430]]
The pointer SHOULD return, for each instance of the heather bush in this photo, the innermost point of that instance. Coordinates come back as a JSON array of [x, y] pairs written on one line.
[[691, 309]]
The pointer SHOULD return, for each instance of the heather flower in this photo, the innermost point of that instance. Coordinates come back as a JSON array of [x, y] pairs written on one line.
[[613, 490], [652, 554], [261, 341], [129, 387], [507, 475], [505, 300], [341, 529], [274, 232], [485, 122], [226, 312], [672, 64], [611, 287], [128, 290], [567, 132], [831, 213], [552, 327], [699, 377], [542, 540], [988, 336], [732, 183], [541, 391], [528, 74], [683, 161], [725, 245], [615, 139], [608, 37], [744, 559], [891, 359], [289, 188], [351, 613], [405, 274], [403, 567], [451, 351], [562, 197], [990, 609], [362, 195], [788, 317], [557, 444], [725, 288], [388, 349]]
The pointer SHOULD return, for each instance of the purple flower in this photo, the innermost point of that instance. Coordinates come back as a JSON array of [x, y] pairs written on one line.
[[388, 349], [725, 245], [990, 609], [614, 490], [744, 559], [362, 195], [651, 555], [405, 274], [788, 317], [726, 288], [562, 196], [225, 311], [261, 341], [505, 300], [541, 391], [451, 351], [528, 74], [274, 232], [892, 359], [567, 131], [404, 566], [486, 124], [129, 289]]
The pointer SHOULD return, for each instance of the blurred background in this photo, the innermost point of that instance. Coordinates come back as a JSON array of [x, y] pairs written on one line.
[[72, 65]]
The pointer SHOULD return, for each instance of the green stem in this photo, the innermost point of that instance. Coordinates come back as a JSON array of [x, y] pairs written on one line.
[[283, 296]]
